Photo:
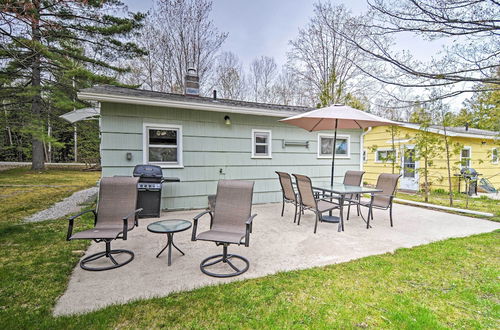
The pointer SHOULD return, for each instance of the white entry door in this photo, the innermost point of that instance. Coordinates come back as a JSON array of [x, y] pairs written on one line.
[[409, 179]]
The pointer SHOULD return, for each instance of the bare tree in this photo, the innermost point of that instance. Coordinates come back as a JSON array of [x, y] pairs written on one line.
[[468, 30], [262, 74], [323, 59], [229, 79], [286, 89], [178, 35]]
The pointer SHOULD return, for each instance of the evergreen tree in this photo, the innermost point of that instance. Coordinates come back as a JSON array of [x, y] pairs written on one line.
[[50, 48]]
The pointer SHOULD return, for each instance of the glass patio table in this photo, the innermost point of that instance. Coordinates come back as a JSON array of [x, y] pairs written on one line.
[[169, 227], [341, 190]]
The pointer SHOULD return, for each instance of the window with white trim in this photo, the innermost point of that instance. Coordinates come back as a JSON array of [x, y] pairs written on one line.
[[494, 155], [342, 146], [261, 144], [465, 157], [385, 155], [163, 145]]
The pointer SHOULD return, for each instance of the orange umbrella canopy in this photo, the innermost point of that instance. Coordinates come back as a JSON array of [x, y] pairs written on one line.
[[336, 116]]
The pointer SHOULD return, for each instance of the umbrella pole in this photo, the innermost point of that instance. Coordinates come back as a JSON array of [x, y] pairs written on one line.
[[333, 151]]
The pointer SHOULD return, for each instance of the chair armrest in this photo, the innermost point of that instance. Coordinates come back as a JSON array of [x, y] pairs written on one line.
[[72, 219], [250, 220], [379, 194], [125, 222], [201, 214], [248, 229], [195, 223], [132, 213], [82, 213]]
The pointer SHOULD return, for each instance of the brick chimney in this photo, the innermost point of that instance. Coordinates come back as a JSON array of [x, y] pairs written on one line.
[[192, 82]]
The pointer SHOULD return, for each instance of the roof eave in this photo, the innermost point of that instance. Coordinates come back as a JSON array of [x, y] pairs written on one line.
[[451, 133], [105, 97]]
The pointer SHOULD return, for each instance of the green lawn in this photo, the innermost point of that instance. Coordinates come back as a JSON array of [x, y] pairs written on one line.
[[483, 203], [448, 284]]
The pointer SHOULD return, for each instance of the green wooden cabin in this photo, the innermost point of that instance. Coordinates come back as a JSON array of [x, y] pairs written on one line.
[[202, 140]]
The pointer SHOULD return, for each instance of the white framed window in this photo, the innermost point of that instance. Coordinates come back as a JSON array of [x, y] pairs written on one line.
[[261, 143], [163, 145], [342, 147], [385, 155], [465, 157], [365, 155], [494, 155]]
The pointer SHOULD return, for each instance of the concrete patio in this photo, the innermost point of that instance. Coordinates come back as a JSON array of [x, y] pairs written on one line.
[[275, 245]]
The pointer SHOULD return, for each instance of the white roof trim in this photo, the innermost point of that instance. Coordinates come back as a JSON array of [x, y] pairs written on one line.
[[183, 104], [450, 133]]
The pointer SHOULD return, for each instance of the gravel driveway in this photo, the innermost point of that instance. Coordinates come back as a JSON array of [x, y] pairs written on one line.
[[67, 206]]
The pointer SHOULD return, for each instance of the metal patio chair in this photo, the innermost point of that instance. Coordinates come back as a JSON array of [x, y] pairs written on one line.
[[289, 194], [353, 178], [116, 214], [231, 224], [309, 202], [382, 200]]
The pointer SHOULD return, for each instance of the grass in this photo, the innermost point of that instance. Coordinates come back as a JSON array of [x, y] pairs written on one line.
[[447, 284], [483, 203], [24, 192]]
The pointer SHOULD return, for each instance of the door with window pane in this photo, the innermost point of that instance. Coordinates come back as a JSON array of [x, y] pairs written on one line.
[[409, 169]]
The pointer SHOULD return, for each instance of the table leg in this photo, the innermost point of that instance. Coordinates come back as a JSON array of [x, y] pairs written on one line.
[[331, 199], [170, 243], [170, 238], [341, 207]]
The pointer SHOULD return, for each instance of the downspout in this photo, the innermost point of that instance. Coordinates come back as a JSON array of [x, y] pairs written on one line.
[[361, 148]]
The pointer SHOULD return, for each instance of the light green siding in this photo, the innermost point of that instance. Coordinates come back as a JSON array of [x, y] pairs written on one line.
[[211, 147]]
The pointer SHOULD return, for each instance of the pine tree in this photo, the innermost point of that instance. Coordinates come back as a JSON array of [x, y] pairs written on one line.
[[50, 48]]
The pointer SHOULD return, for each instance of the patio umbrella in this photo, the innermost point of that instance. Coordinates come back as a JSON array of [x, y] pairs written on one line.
[[335, 117]]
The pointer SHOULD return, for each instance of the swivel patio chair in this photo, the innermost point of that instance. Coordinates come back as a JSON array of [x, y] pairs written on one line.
[[382, 200], [232, 224], [116, 214], [309, 202], [289, 195]]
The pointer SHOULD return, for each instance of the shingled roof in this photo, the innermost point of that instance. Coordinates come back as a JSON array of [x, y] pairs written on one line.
[[464, 130], [161, 96]]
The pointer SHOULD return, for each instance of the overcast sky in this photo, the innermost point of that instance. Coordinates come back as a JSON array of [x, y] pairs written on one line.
[[264, 27]]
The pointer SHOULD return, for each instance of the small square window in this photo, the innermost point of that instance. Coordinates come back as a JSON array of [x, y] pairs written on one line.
[[325, 146], [163, 145], [261, 144], [384, 156], [465, 157], [494, 155]]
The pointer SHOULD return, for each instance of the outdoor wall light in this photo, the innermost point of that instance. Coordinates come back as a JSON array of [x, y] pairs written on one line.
[[129, 156], [227, 120]]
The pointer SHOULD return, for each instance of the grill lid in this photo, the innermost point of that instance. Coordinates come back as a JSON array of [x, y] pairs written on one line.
[[148, 171], [468, 171]]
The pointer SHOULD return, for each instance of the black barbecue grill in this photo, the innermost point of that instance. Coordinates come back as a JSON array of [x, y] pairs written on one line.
[[149, 187], [470, 177]]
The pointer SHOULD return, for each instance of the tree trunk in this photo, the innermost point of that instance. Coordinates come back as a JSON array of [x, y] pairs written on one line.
[[393, 148], [426, 182], [37, 161], [447, 147]]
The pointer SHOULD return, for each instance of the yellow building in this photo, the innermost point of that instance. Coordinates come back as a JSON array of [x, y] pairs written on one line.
[[475, 148]]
